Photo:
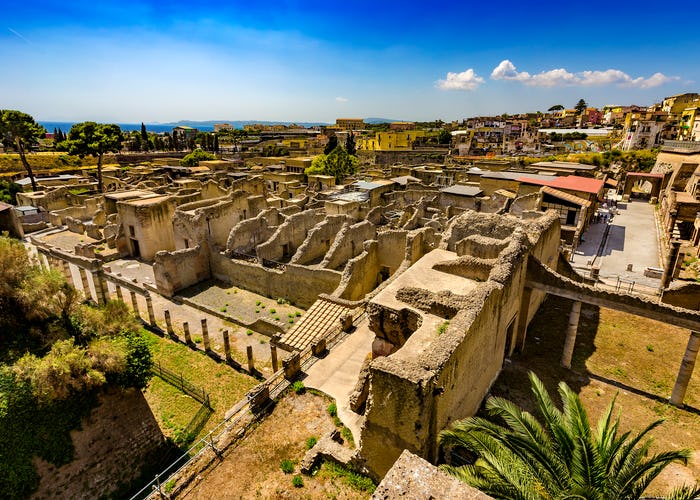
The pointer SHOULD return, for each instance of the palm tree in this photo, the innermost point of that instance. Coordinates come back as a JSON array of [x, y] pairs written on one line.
[[561, 458]]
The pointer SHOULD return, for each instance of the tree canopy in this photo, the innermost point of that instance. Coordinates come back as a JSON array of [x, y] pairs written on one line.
[[192, 159], [580, 107], [337, 163], [559, 455], [93, 139], [556, 107], [55, 354], [19, 131]]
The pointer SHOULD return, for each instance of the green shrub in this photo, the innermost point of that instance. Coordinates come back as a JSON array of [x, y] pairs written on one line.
[[277, 318], [223, 309], [298, 387], [332, 410], [257, 302], [347, 435], [311, 442], [273, 311], [282, 301], [297, 314], [443, 327], [257, 311], [287, 466], [298, 481], [249, 332]]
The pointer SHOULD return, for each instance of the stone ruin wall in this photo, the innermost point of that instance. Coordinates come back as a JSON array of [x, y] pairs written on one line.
[[319, 240], [299, 284], [348, 244], [175, 271], [248, 234], [114, 443], [292, 232], [413, 397]]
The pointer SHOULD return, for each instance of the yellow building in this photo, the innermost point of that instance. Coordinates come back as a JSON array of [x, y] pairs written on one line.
[[391, 141], [677, 103], [296, 143], [687, 122], [349, 123]]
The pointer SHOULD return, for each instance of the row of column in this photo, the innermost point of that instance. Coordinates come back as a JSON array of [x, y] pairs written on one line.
[[685, 371], [102, 296]]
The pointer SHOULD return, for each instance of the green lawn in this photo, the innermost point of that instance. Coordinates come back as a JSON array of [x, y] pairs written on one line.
[[171, 407]]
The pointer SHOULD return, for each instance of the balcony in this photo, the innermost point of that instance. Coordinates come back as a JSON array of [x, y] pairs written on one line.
[[687, 147]]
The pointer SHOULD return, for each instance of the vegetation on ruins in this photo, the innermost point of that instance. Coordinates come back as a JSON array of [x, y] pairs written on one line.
[[192, 159], [55, 355], [93, 139], [558, 456], [636, 161], [8, 192], [337, 163], [19, 131]]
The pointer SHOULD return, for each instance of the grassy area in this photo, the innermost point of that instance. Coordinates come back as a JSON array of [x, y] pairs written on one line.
[[266, 462], [172, 408], [617, 355]]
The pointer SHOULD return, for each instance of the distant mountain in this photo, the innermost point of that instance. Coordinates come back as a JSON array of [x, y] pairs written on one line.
[[374, 121]]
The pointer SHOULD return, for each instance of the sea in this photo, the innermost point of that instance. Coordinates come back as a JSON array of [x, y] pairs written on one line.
[[157, 128]]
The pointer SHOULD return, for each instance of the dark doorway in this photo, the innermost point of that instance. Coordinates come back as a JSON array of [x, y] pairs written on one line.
[[135, 246]]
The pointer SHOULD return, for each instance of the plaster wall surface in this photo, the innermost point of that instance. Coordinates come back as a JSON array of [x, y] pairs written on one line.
[[319, 240]]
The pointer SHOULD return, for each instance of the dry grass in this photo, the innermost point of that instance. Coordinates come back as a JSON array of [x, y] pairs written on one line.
[[617, 354], [251, 469]]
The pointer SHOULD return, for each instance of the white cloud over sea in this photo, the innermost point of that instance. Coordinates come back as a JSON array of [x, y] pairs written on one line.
[[466, 80]]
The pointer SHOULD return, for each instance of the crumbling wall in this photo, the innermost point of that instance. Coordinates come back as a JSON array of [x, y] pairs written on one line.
[[289, 235], [348, 244], [175, 271], [392, 249], [319, 240], [521, 204], [361, 274], [436, 378], [113, 444], [248, 234], [299, 284]]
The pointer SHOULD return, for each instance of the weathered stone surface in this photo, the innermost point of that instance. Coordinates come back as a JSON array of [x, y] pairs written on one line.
[[414, 478]]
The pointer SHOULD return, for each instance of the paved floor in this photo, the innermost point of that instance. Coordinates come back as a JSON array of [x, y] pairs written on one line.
[[337, 373], [632, 240]]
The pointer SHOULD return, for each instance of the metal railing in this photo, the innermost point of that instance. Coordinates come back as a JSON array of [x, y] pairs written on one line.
[[236, 419]]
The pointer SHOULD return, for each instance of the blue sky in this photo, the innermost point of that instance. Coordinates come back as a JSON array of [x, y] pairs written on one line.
[[133, 61]]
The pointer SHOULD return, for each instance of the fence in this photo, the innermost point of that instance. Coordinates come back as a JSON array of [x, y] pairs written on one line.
[[238, 419], [178, 381]]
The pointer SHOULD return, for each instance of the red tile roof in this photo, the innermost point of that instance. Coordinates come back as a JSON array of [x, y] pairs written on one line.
[[569, 182]]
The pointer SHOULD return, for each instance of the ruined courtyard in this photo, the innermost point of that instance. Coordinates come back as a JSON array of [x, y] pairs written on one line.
[[405, 301]]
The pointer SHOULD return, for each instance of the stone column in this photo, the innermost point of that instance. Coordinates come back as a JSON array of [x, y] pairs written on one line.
[[169, 323], [670, 263], [135, 303], [205, 335], [571, 331], [522, 319], [686, 369], [273, 356], [291, 365], [65, 267], [251, 364], [120, 296], [227, 346], [672, 217], [100, 288], [151, 314], [186, 328], [85, 283]]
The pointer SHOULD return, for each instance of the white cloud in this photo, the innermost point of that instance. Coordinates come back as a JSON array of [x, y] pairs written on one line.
[[561, 77], [466, 80], [342, 99]]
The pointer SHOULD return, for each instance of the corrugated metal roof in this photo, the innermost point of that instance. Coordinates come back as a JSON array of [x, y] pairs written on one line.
[[566, 196], [462, 190]]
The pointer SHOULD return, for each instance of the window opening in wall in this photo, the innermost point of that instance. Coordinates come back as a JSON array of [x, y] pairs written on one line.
[[131, 231], [187, 243]]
